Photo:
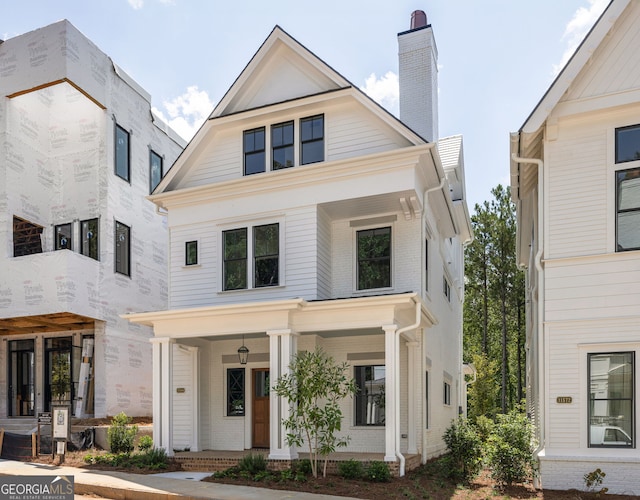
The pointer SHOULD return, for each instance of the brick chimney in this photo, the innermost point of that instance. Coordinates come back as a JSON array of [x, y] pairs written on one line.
[[418, 76]]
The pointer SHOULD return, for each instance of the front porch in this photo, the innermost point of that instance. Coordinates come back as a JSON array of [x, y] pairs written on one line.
[[214, 461]]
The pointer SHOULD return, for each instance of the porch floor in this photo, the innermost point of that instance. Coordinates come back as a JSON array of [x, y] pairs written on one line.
[[218, 460]]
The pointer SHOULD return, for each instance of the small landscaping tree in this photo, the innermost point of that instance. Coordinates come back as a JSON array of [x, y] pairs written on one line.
[[465, 450], [121, 434], [314, 388]]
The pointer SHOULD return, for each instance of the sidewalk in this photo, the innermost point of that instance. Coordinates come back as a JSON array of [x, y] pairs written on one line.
[[125, 486]]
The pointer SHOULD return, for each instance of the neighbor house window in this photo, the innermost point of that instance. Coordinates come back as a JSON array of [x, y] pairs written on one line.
[[374, 258], [155, 170], [370, 398], [122, 153], [628, 144], [89, 232], [446, 393], [266, 242], [426, 264], [628, 209], [282, 145], [27, 237], [446, 288], [191, 253], [63, 235], [312, 139], [123, 249], [426, 399], [234, 266], [254, 157], [263, 251], [235, 392], [611, 399]]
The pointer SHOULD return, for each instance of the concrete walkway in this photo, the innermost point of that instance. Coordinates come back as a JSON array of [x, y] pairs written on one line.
[[125, 486]]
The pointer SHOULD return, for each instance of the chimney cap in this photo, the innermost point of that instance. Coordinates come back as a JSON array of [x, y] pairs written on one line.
[[418, 19]]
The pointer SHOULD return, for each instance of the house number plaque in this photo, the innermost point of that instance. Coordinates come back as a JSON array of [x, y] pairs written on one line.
[[564, 399]]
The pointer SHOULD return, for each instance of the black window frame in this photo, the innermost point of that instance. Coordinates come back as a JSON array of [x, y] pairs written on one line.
[[122, 171], [618, 139], [311, 141], [236, 258], [622, 212], [426, 398], [253, 147], [446, 288], [371, 261], [591, 399], [59, 239], [446, 393], [122, 238], [262, 259], [282, 143], [361, 401], [155, 180], [236, 394], [191, 253], [86, 234]]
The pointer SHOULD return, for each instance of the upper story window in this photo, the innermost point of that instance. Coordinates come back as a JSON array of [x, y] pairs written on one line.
[[628, 144], [63, 236], [373, 258], [263, 250], [89, 238], [369, 400], [191, 253], [155, 170], [628, 209], [122, 153], [254, 157], [123, 249], [27, 237], [312, 139], [282, 145], [611, 399]]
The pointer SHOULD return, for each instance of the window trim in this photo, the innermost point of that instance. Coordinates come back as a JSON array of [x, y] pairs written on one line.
[[356, 264], [82, 239], [313, 139], [153, 154], [632, 398], [56, 242], [116, 268], [115, 157]]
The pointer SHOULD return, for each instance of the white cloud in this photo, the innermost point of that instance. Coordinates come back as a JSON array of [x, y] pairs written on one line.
[[136, 4], [187, 112], [577, 29], [384, 90]]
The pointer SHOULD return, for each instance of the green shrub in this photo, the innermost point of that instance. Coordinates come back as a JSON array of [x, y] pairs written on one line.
[[252, 464], [152, 458], [121, 435], [350, 469], [145, 443], [510, 451], [465, 450], [303, 466], [484, 428], [377, 472]]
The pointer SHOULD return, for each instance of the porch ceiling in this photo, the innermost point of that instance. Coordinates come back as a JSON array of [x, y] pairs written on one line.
[[45, 323]]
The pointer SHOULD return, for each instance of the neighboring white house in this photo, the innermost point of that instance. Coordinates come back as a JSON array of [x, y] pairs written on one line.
[[575, 178], [304, 215], [79, 243]]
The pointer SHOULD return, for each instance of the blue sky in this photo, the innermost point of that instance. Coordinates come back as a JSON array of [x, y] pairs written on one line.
[[496, 57]]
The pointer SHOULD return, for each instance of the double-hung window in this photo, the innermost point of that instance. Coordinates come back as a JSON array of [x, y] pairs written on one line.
[[89, 238], [373, 258], [370, 398], [123, 249], [254, 156], [262, 250], [122, 153], [611, 399], [627, 149], [282, 145], [64, 235], [155, 170], [312, 139]]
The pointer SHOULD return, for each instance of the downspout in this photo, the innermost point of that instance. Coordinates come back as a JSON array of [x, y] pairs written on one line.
[[397, 381], [540, 289]]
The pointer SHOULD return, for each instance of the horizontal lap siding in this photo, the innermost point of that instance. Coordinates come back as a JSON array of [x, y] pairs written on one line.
[[593, 288], [577, 196]]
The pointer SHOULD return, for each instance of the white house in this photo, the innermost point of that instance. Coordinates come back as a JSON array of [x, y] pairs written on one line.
[[79, 243], [575, 177], [304, 215]]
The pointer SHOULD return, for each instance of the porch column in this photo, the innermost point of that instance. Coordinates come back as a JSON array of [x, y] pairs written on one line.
[[412, 394], [283, 345], [162, 396], [391, 396]]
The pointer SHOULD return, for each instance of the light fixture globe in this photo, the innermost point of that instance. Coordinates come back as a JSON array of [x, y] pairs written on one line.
[[243, 353]]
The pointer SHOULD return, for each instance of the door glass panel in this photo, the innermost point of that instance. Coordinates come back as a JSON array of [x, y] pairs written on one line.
[[261, 384], [21, 378]]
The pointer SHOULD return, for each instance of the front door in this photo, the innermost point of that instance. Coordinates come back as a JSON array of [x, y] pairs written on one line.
[[21, 378], [260, 408]]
